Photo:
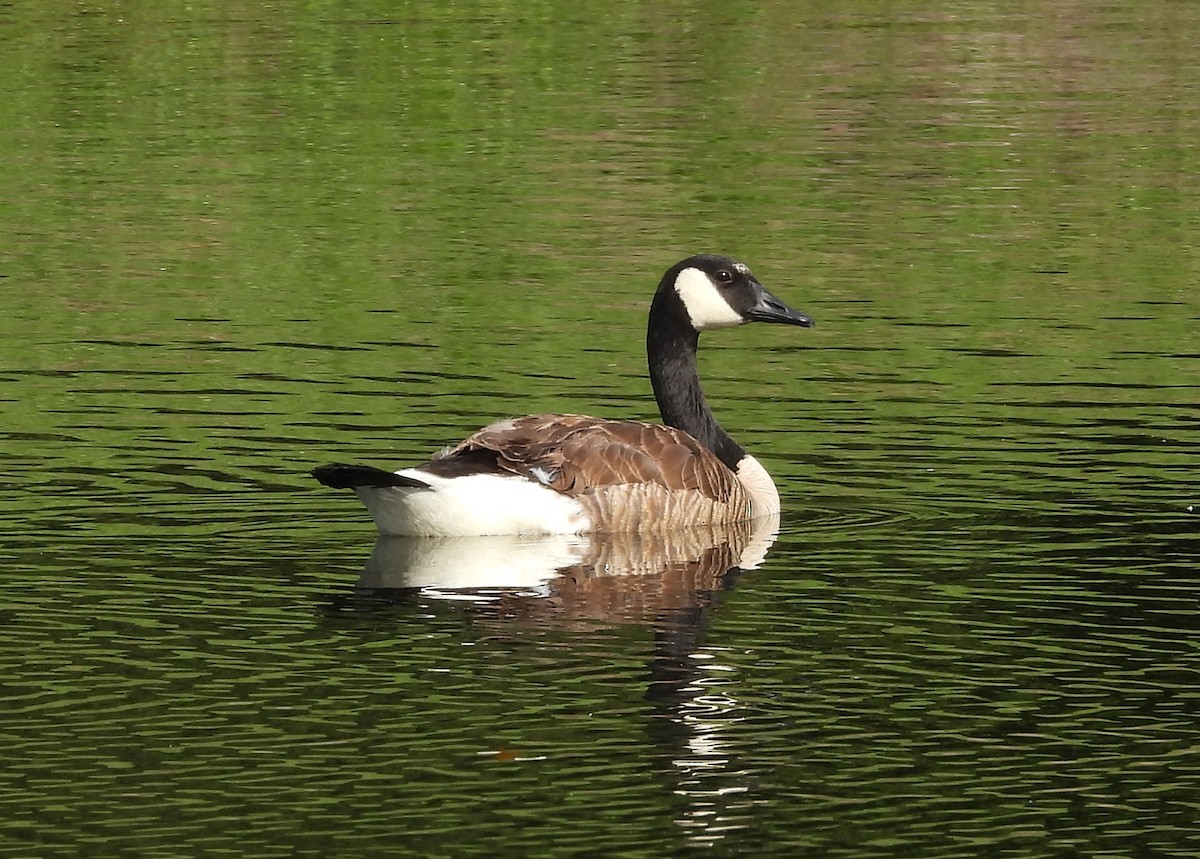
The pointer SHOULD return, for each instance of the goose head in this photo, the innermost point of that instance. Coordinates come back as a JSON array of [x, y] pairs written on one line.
[[710, 291]]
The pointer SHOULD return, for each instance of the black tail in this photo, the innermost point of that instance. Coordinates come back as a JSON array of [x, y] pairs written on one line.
[[341, 476]]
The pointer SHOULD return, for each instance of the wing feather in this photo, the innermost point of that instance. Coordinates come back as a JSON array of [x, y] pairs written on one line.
[[577, 454]]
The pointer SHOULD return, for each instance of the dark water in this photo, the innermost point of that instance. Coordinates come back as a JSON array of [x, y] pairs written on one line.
[[239, 242]]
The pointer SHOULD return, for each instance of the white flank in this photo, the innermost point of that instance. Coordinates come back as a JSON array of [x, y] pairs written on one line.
[[471, 506], [705, 306], [764, 497]]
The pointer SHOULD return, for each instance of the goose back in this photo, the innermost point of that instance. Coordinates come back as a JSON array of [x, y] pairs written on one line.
[[627, 475]]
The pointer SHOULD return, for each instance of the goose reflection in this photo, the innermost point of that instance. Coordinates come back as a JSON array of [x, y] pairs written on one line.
[[668, 581], [567, 580]]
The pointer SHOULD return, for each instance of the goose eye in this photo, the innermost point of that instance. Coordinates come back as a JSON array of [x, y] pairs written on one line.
[[724, 276]]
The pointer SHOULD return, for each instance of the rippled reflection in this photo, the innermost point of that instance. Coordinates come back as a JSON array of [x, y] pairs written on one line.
[[610, 577], [667, 580]]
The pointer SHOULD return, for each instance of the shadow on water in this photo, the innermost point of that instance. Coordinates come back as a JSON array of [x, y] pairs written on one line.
[[669, 582]]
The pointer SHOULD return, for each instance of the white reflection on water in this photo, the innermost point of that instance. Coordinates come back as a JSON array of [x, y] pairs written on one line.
[[667, 580], [600, 576], [716, 789]]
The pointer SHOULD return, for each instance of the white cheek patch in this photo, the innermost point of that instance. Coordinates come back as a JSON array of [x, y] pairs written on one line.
[[705, 306]]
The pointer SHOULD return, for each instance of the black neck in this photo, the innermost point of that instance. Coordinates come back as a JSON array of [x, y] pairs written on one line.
[[671, 352]]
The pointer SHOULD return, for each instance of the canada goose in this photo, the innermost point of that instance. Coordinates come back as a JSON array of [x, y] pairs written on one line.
[[567, 474]]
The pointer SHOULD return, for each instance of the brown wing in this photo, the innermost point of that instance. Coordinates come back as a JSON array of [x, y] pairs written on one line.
[[576, 454]]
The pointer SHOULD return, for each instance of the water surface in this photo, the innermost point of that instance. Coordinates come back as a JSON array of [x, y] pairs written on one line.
[[243, 242]]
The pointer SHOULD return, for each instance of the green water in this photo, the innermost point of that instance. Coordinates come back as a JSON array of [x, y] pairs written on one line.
[[237, 241]]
